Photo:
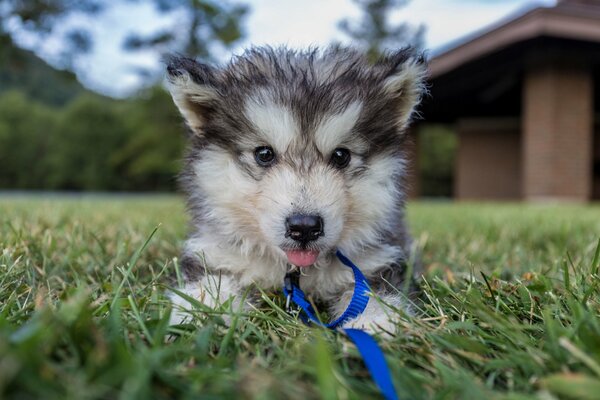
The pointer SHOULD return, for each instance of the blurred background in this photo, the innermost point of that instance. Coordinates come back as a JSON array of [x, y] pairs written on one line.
[[83, 107]]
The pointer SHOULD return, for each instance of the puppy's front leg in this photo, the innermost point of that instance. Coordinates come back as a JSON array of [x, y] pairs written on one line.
[[212, 290], [380, 315], [209, 288]]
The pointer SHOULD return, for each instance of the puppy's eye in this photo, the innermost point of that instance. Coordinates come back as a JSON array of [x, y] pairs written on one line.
[[340, 158], [264, 156]]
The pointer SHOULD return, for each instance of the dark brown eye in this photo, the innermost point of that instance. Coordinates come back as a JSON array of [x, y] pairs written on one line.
[[340, 158], [264, 156]]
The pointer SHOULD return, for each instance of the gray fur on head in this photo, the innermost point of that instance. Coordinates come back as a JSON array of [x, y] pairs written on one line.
[[311, 83]]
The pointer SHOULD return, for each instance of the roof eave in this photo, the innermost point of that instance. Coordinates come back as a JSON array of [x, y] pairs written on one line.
[[576, 23]]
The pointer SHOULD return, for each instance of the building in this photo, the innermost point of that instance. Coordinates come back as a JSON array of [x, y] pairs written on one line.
[[520, 97]]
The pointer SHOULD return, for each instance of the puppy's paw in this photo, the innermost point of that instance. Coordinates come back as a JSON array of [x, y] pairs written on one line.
[[380, 317], [212, 295], [182, 309], [379, 323]]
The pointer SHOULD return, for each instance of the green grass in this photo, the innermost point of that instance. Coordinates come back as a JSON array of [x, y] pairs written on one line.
[[511, 310]]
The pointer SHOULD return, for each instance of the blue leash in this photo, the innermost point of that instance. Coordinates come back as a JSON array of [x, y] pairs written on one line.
[[366, 345]]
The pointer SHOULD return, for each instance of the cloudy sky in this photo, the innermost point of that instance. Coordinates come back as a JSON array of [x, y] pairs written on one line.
[[301, 23], [292, 22]]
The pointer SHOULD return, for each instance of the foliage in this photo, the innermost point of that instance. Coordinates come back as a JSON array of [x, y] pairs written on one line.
[[437, 153], [54, 134], [88, 132], [375, 33], [94, 143], [510, 309], [25, 129], [22, 70], [151, 157]]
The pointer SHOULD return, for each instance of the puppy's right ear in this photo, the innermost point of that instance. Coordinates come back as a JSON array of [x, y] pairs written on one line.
[[193, 87]]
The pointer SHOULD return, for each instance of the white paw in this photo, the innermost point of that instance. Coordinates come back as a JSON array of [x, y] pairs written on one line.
[[380, 316], [377, 323], [211, 293], [182, 311]]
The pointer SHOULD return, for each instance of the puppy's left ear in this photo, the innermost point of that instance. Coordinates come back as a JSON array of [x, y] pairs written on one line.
[[405, 72], [194, 88]]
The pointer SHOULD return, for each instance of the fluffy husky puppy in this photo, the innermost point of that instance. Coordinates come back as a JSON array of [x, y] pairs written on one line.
[[292, 155]]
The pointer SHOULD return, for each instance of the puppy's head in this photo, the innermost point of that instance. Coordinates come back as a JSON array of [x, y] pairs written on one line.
[[297, 153]]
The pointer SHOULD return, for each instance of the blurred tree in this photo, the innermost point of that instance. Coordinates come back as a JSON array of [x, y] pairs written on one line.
[[92, 143], [206, 22], [44, 18], [86, 135], [151, 157], [375, 33], [437, 155], [197, 25], [24, 71], [55, 134], [25, 129]]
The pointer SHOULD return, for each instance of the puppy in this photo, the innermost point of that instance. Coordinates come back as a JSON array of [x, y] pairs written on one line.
[[292, 155]]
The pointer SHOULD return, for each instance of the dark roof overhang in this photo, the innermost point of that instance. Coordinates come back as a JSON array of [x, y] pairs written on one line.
[[483, 76], [567, 21]]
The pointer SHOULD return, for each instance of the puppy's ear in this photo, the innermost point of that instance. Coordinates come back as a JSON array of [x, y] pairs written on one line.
[[193, 87], [404, 81]]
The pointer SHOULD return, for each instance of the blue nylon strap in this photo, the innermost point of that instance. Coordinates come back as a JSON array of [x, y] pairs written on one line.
[[360, 297], [366, 345], [374, 360]]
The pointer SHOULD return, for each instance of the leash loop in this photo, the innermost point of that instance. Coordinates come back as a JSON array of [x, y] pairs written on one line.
[[366, 345]]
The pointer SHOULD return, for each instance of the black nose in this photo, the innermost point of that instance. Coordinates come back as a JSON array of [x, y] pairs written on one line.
[[304, 228]]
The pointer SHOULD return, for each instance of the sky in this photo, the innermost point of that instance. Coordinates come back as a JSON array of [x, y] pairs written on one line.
[[297, 23]]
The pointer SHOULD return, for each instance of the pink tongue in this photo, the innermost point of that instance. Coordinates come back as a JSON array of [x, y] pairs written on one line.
[[302, 258]]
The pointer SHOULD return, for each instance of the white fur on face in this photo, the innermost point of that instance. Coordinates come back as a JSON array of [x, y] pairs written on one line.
[[335, 130], [274, 122], [250, 214], [287, 191], [254, 212], [230, 197], [368, 213]]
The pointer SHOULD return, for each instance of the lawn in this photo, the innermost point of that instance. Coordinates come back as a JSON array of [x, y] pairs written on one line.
[[511, 309]]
